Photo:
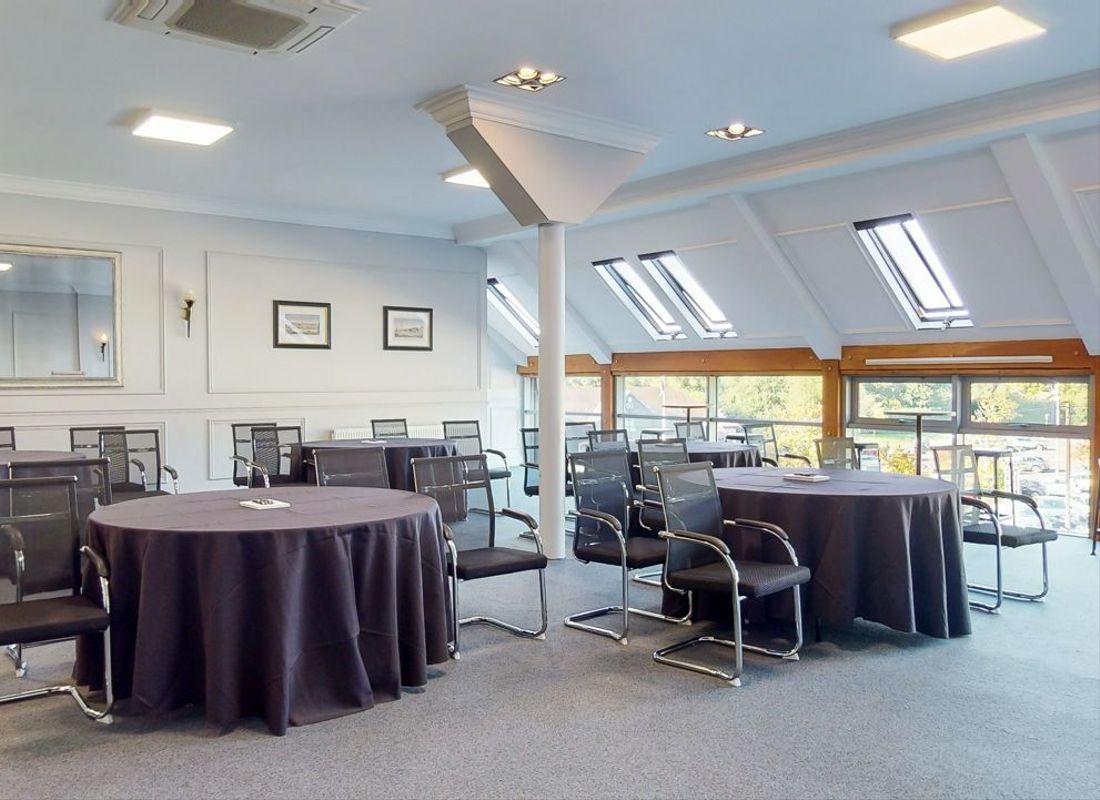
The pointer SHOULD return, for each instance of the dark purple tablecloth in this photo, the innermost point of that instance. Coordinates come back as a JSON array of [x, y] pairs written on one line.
[[882, 547], [399, 455], [720, 454], [295, 615]]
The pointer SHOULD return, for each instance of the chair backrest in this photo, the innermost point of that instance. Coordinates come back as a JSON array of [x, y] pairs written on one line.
[[837, 452], [611, 439], [86, 437], [656, 453], [690, 499], [351, 466], [134, 457], [576, 436], [691, 431], [761, 435], [44, 512], [654, 433], [956, 463], [389, 429], [93, 485], [870, 456], [601, 482], [466, 434], [278, 450], [451, 480], [7, 438]]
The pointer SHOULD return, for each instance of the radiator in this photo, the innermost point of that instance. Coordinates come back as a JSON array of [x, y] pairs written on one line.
[[415, 431]]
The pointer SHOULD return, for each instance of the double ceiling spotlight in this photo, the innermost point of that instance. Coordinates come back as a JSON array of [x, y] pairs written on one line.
[[529, 79], [732, 133]]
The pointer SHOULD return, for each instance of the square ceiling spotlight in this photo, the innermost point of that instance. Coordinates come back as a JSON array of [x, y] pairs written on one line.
[[529, 79], [177, 128], [731, 133], [466, 176], [964, 29]]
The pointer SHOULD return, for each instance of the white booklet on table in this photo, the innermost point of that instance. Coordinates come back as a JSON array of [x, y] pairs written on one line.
[[805, 477]]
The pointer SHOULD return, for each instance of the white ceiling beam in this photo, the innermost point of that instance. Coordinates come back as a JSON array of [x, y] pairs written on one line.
[[1059, 229], [752, 234], [966, 120], [575, 322]]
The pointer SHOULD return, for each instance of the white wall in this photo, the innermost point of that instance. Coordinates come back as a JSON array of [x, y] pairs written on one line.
[[228, 370]]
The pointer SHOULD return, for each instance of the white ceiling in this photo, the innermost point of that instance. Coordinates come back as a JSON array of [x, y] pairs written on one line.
[[333, 133]]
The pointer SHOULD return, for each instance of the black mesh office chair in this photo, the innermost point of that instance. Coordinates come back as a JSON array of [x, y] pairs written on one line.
[[389, 429], [699, 560], [761, 435], [530, 438], [135, 460], [7, 438], [40, 538], [982, 525], [611, 439], [242, 450], [472, 545], [653, 454], [85, 438], [276, 456], [836, 452], [691, 431], [93, 489], [576, 436], [602, 491], [351, 466], [466, 434]]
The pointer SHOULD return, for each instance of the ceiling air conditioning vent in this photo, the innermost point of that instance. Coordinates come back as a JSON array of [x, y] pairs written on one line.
[[259, 27]]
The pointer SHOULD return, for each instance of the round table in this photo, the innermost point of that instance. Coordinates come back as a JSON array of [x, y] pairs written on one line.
[[399, 455], [881, 546], [720, 454], [295, 615]]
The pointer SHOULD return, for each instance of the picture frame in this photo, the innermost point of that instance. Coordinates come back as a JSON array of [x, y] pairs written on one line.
[[301, 325], [407, 328]]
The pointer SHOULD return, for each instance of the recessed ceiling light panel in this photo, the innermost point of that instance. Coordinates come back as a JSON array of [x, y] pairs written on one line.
[[738, 130], [964, 29], [177, 128], [530, 79], [466, 176]]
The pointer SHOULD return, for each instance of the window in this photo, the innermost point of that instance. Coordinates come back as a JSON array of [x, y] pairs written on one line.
[[701, 311], [582, 400], [642, 301], [909, 266], [513, 310]]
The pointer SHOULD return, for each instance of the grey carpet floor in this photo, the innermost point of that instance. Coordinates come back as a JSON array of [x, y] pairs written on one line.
[[1012, 711]]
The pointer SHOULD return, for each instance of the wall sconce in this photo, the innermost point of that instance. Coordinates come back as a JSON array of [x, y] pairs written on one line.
[[188, 304], [103, 339]]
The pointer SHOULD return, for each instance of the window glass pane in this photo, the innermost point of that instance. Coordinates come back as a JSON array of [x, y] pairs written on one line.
[[1033, 402], [674, 278], [912, 268], [793, 398], [625, 282], [643, 397], [897, 449], [934, 263], [582, 398], [876, 397], [513, 310]]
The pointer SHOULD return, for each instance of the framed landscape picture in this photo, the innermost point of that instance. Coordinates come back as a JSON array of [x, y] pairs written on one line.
[[406, 328], [303, 325]]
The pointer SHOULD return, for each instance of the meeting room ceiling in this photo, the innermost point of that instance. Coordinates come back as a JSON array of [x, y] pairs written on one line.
[[332, 136]]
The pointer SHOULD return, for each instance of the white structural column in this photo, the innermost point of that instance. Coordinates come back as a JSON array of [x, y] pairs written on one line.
[[552, 387]]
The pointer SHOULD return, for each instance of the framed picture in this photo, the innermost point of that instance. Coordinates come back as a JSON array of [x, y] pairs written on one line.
[[302, 325], [406, 328]]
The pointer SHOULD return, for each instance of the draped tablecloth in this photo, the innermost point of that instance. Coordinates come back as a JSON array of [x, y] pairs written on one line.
[[399, 455], [720, 454], [295, 615], [881, 546]]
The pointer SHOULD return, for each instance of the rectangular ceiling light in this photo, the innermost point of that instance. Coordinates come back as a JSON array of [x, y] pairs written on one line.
[[964, 29], [187, 130], [466, 176]]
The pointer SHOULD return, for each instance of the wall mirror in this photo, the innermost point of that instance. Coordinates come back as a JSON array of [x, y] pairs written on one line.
[[59, 316]]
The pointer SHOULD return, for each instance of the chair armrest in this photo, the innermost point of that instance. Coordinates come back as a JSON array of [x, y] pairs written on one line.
[[771, 462], [253, 467], [448, 534], [796, 457], [141, 469], [498, 453], [974, 502], [768, 528], [175, 476], [529, 521], [600, 516], [15, 536], [529, 465], [98, 562], [1017, 498], [704, 539]]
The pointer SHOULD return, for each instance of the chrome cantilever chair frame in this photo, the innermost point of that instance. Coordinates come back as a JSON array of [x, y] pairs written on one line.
[[715, 544], [481, 449]]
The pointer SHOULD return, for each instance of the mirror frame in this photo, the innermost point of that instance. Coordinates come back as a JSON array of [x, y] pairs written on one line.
[[70, 381]]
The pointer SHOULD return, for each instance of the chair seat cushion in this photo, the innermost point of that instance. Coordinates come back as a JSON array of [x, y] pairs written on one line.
[[1011, 535], [122, 497], [533, 491], [499, 472], [51, 618], [755, 578], [641, 551], [485, 562]]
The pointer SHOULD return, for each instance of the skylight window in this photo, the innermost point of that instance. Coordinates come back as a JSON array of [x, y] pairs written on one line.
[[642, 301], [514, 311], [680, 285], [909, 266]]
